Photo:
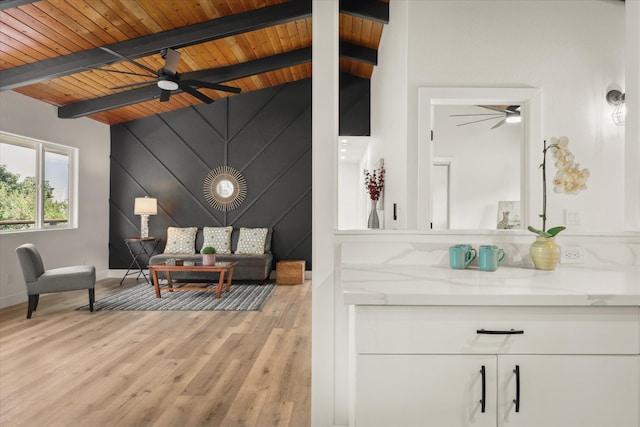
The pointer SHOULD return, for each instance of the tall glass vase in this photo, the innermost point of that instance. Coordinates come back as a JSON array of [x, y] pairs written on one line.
[[374, 222]]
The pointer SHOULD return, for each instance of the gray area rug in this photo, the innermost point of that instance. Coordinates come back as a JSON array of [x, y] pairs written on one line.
[[245, 296]]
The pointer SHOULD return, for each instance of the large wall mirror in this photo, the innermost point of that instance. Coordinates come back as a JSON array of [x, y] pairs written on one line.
[[473, 167], [355, 154]]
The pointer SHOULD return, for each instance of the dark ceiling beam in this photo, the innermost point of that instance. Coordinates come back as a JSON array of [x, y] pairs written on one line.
[[9, 4], [358, 53], [366, 9], [212, 75], [185, 36]]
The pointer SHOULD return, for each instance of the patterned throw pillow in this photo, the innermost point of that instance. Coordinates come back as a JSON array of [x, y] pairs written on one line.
[[251, 240], [218, 237], [181, 240]]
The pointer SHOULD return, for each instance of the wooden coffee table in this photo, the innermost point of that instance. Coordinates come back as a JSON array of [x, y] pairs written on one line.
[[224, 268]]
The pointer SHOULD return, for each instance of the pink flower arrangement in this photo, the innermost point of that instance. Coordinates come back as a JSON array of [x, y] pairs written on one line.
[[374, 182]]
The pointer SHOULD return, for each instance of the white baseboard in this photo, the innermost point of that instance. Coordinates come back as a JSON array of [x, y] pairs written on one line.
[[9, 300]]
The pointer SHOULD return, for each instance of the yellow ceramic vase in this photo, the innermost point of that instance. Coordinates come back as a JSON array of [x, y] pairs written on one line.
[[545, 253]]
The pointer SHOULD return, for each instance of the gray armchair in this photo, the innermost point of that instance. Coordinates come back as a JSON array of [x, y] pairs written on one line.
[[41, 281]]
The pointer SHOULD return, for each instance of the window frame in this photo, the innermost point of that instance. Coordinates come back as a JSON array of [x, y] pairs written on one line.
[[41, 147]]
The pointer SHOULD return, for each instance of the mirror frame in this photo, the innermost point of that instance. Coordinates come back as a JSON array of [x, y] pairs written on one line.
[[531, 111], [215, 198]]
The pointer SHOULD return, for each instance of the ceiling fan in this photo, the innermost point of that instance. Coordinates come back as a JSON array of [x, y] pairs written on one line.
[[167, 78], [507, 114]]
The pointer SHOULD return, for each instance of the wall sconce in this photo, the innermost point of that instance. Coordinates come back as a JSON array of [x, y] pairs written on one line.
[[145, 206], [616, 98]]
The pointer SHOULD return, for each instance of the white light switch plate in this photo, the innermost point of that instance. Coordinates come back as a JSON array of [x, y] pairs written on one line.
[[572, 217]]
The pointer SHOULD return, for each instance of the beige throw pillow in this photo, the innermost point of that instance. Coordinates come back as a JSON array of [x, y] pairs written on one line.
[[181, 240], [218, 238], [251, 241]]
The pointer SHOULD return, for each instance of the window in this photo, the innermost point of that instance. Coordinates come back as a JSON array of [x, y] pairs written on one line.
[[36, 184]]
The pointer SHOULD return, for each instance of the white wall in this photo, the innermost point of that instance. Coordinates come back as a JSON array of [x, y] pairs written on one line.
[[324, 410], [350, 213], [573, 57], [88, 244], [389, 115], [632, 128]]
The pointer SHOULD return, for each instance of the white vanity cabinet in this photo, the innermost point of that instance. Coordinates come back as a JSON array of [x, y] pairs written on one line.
[[568, 390], [495, 366], [425, 390]]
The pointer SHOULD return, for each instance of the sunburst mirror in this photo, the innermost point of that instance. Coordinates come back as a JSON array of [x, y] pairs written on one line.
[[225, 188]]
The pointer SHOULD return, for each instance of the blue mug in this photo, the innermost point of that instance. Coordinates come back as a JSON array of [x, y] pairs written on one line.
[[460, 256], [490, 257]]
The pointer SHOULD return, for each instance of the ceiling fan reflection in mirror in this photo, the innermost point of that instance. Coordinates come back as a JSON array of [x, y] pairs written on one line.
[[506, 114], [167, 78]]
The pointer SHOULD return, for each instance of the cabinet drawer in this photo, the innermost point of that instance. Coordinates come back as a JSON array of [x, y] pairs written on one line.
[[454, 330]]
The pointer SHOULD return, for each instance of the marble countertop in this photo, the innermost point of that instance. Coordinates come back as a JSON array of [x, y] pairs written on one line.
[[366, 284]]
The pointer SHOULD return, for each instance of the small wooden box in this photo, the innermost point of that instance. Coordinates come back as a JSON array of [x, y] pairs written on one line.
[[290, 272]]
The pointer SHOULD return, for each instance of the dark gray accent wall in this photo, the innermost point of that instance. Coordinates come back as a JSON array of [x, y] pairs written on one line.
[[266, 135]]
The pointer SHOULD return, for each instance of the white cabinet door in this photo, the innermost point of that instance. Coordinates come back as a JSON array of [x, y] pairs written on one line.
[[425, 390], [566, 391]]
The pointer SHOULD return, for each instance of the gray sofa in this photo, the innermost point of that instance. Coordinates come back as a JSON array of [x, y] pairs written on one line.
[[250, 267]]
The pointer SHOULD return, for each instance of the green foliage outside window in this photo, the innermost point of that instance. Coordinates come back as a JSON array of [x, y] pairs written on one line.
[[18, 202]]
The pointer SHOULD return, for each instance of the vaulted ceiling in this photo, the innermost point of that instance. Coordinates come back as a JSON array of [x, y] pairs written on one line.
[[69, 53]]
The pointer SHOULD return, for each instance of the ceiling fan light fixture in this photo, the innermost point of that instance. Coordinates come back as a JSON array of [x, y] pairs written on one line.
[[513, 117], [167, 83]]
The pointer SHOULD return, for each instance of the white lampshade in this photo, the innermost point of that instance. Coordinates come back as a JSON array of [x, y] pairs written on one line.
[[145, 206]]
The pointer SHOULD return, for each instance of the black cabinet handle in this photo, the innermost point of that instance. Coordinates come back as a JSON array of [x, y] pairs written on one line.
[[503, 332], [517, 399], [483, 401]]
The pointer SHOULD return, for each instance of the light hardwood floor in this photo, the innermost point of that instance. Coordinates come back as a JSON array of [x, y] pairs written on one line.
[[65, 367]]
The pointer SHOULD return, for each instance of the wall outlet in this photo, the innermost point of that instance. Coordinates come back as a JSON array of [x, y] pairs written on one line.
[[572, 255]]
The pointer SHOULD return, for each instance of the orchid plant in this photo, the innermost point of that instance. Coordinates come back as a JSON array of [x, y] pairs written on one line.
[[569, 179]]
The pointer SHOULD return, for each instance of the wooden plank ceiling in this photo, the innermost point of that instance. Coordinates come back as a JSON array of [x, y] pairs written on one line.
[[53, 50]]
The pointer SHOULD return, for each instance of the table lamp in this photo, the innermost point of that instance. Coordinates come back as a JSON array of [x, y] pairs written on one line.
[[145, 206]]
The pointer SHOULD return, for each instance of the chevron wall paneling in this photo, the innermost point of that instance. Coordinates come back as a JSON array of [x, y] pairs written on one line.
[[266, 135]]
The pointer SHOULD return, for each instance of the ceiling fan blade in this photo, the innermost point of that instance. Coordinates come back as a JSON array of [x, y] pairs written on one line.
[[193, 92], [165, 95], [479, 114], [172, 58], [477, 121], [124, 58], [214, 86], [118, 71], [494, 108], [500, 123], [133, 85]]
